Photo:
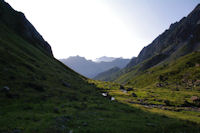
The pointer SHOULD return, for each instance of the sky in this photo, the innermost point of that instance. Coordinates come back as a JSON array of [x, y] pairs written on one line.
[[95, 28]]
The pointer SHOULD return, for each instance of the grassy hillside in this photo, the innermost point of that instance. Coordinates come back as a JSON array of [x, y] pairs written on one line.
[[171, 89], [180, 39], [46, 96], [107, 75], [39, 94]]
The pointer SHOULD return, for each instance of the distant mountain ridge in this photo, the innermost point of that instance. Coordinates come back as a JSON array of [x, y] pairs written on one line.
[[90, 68]]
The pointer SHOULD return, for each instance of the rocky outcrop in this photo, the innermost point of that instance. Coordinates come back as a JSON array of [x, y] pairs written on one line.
[[22, 27]]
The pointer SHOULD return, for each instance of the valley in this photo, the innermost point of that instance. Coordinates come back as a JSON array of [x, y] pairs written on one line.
[[156, 92]]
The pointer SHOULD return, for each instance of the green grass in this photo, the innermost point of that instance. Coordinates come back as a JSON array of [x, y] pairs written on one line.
[[154, 96], [173, 99], [46, 96]]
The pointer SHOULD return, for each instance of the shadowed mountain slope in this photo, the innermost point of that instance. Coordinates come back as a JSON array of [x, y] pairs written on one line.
[[21, 26]]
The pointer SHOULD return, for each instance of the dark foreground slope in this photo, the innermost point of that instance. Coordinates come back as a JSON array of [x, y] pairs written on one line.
[[40, 94]]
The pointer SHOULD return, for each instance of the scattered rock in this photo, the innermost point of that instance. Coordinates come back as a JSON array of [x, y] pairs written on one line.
[[122, 87], [134, 95], [6, 89], [62, 106], [105, 94], [197, 82], [7, 92], [63, 119], [66, 84], [112, 98], [151, 124], [197, 65], [162, 78], [35, 86], [188, 88], [195, 99], [166, 83], [125, 91], [159, 85], [159, 100], [56, 110], [186, 104], [101, 119], [167, 102], [16, 131], [130, 89], [85, 124], [140, 100], [175, 89]]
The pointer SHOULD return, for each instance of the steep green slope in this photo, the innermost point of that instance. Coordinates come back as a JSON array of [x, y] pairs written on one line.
[[177, 73], [180, 78], [46, 96], [172, 88], [107, 75], [38, 94], [21, 26]]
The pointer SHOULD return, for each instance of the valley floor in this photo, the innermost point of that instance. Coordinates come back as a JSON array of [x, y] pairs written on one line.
[[154, 100]]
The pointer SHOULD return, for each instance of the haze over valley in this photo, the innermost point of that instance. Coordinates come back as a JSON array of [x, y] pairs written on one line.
[[91, 68]]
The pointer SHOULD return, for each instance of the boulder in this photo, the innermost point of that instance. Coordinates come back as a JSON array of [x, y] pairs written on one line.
[[175, 89], [66, 84], [85, 124], [130, 89], [186, 104], [197, 82], [122, 87], [112, 99], [6, 89], [159, 85], [16, 131], [56, 110], [134, 95], [195, 99], [162, 78], [197, 65], [167, 102]]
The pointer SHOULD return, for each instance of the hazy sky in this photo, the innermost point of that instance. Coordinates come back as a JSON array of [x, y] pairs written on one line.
[[94, 28]]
